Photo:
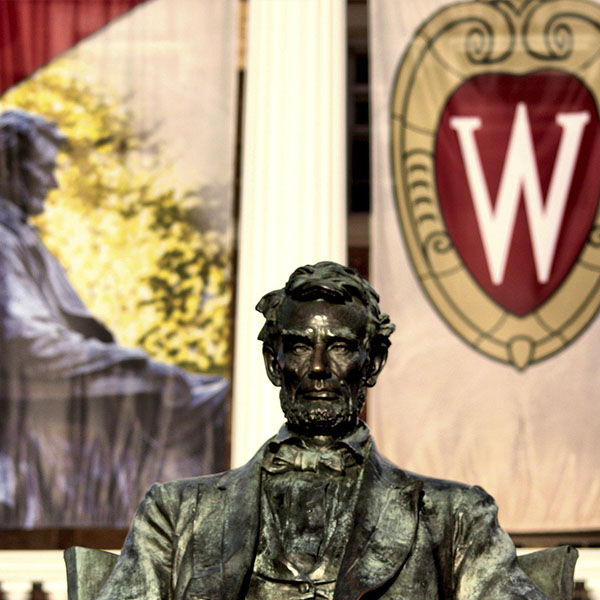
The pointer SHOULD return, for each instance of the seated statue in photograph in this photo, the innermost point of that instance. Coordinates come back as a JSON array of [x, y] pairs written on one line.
[[65, 458], [318, 512]]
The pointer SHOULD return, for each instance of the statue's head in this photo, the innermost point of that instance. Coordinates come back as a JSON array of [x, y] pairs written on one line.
[[28, 148], [325, 341]]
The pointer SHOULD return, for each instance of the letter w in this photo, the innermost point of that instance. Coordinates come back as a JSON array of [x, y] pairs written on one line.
[[520, 172]]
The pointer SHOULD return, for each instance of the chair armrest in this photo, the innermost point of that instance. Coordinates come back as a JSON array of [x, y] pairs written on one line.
[[87, 570], [551, 570]]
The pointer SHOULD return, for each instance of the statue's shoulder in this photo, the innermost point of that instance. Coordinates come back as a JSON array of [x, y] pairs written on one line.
[[437, 490], [183, 486], [191, 485], [11, 231], [177, 491], [181, 491], [177, 499], [9, 217], [14, 248]]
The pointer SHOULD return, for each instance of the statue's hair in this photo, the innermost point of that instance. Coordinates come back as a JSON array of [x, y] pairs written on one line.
[[18, 130], [332, 282]]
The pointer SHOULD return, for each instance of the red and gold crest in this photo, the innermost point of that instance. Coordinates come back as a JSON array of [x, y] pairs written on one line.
[[496, 165]]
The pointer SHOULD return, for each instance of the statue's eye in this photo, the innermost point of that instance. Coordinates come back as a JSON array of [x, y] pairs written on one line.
[[300, 349], [340, 347]]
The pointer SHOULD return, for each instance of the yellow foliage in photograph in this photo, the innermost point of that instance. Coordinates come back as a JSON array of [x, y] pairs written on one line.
[[152, 262]]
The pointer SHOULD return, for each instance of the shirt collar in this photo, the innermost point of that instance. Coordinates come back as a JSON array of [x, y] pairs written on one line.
[[358, 442]]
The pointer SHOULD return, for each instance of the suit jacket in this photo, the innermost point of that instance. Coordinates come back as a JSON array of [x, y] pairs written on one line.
[[413, 538]]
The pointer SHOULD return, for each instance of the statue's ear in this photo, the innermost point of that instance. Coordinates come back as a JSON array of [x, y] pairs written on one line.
[[376, 363], [272, 365]]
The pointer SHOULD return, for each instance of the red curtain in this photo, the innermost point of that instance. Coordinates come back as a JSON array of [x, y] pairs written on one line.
[[33, 32]]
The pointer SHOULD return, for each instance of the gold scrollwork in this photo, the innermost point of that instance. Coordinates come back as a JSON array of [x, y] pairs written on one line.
[[594, 237], [558, 32]]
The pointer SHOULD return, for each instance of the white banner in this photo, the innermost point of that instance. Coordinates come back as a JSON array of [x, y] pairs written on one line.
[[484, 249]]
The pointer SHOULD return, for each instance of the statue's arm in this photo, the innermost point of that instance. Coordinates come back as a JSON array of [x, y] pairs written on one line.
[[485, 564], [34, 336], [144, 569]]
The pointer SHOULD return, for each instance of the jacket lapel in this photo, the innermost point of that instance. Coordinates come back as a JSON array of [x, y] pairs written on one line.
[[240, 530], [226, 532], [385, 526]]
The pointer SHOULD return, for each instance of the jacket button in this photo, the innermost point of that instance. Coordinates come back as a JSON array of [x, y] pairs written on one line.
[[304, 587]]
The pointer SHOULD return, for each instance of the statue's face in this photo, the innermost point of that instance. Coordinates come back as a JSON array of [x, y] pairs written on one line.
[[322, 364], [37, 176]]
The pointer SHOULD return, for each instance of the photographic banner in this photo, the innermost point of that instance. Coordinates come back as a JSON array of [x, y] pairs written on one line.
[[115, 287], [486, 249]]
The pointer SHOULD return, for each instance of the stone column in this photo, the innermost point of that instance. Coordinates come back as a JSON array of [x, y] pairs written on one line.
[[293, 204]]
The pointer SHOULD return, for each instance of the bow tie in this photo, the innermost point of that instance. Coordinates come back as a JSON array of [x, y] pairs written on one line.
[[291, 458]]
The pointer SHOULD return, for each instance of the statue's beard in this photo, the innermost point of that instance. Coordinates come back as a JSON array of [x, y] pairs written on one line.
[[321, 417]]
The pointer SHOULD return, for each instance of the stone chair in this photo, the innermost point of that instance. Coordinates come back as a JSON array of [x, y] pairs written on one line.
[[87, 570], [551, 569]]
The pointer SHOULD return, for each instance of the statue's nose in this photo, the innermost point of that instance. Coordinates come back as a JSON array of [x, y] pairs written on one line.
[[319, 366]]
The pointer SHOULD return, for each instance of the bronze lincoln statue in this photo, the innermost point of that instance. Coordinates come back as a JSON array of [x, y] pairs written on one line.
[[318, 512]]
